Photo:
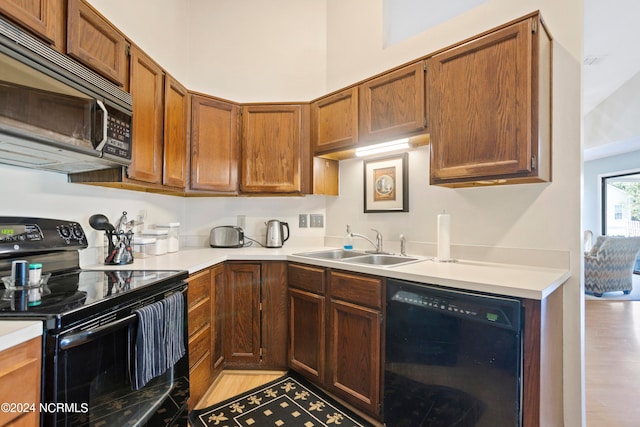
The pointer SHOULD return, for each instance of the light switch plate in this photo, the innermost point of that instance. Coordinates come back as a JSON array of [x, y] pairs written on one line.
[[303, 220], [317, 220]]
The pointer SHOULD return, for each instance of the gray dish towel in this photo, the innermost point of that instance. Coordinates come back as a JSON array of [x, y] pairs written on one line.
[[159, 340]]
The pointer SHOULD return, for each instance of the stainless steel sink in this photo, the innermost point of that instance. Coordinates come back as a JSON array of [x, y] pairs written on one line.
[[382, 260], [335, 254], [357, 257]]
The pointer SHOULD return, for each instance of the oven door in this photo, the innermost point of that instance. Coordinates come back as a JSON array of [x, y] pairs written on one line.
[[89, 373]]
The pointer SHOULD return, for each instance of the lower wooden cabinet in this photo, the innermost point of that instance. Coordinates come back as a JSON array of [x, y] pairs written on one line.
[[335, 333], [20, 381], [255, 322]]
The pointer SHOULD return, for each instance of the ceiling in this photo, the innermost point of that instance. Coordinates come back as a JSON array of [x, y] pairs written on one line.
[[610, 48]]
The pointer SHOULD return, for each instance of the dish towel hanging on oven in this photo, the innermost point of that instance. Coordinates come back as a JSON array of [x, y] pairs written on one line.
[[159, 340]]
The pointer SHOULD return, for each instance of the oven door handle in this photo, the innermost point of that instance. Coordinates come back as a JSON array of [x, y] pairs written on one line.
[[74, 340]]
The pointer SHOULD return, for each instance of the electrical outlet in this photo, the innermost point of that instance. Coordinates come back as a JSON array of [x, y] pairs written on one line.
[[241, 221], [303, 220], [317, 220]]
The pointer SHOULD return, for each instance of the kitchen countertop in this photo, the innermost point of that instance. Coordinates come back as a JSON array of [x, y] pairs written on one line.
[[502, 279], [14, 332]]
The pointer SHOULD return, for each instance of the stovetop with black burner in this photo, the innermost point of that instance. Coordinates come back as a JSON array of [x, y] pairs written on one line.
[[84, 293]]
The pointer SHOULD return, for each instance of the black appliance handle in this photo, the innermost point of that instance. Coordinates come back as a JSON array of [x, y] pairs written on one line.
[[74, 340]]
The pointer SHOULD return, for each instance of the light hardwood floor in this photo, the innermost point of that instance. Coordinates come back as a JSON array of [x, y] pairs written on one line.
[[231, 383], [612, 363]]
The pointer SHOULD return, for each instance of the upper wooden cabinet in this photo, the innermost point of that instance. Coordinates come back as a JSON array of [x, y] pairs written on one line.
[[176, 121], [334, 122], [393, 105], [44, 18], [92, 40], [214, 145], [490, 103], [275, 155], [147, 90]]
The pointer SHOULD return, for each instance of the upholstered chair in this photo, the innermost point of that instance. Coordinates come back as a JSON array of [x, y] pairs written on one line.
[[608, 266]]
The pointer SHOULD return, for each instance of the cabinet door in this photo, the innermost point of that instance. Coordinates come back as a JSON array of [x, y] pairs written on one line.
[[274, 318], [214, 145], [334, 122], [39, 16], [92, 40], [354, 354], [147, 88], [272, 149], [307, 334], [176, 117], [484, 106], [393, 105], [242, 320], [218, 283]]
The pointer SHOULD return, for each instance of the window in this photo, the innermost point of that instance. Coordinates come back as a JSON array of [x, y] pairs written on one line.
[[621, 205]]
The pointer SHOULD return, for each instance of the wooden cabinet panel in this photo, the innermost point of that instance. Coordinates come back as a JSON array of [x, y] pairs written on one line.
[[274, 156], [307, 334], [490, 101], [242, 320], [39, 16], [306, 277], [334, 122], [147, 88], [355, 288], [92, 40], [218, 283], [176, 120], [20, 380], [393, 105], [214, 145], [274, 319], [326, 176], [354, 354], [199, 380], [199, 325]]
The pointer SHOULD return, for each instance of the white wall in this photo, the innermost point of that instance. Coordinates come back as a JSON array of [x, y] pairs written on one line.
[[616, 118]]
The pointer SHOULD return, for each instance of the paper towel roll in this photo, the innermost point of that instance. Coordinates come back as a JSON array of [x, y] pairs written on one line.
[[444, 237]]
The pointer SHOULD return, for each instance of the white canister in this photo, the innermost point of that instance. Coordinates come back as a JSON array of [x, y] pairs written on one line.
[[174, 235], [162, 240], [144, 247]]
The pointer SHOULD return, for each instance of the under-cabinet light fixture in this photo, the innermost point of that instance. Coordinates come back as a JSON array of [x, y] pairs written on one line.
[[398, 144]]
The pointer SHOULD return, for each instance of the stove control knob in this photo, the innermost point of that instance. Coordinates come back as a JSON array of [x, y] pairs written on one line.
[[64, 231], [77, 231]]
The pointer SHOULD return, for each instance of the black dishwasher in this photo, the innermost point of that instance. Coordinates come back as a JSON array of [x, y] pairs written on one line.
[[452, 358]]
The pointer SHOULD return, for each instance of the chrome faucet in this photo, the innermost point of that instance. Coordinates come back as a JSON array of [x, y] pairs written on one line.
[[377, 244], [403, 245]]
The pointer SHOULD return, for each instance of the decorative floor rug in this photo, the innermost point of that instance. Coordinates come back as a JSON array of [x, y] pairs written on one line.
[[289, 401]]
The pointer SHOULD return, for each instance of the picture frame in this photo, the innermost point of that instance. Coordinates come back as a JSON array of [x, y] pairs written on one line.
[[386, 184]]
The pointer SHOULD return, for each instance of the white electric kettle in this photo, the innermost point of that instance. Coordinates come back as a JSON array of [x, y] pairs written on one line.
[[275, 233]]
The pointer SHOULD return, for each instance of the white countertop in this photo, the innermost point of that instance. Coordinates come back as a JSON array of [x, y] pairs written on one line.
[[14, 332], [503, 279]]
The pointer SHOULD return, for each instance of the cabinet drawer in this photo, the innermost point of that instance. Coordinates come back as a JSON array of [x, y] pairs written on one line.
[[20, 365], [199, 287], [358, 289], [199, 344], [199, 380], [306, 278], [199, 315]]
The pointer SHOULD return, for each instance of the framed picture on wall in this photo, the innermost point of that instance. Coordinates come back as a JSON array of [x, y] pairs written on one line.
[[386, 184]]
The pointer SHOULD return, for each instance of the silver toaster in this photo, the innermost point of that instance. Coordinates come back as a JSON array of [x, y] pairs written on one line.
[[226, 236]]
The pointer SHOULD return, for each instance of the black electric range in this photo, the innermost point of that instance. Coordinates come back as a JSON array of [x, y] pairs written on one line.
[[91, 327]]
